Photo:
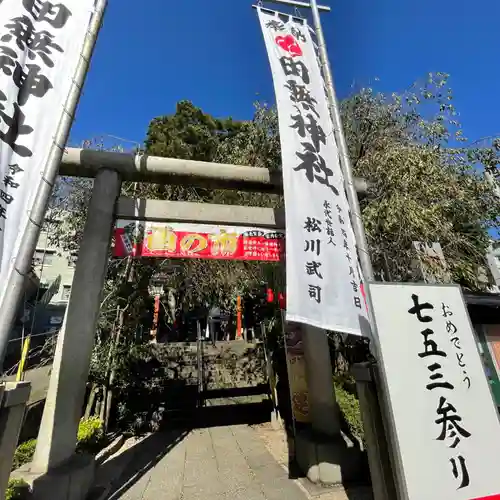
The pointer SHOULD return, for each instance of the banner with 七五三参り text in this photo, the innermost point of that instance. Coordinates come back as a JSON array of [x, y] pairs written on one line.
[[445, 419]]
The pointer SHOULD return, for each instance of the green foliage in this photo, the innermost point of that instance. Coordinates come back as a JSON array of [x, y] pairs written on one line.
[[426, 182], [90, 438], [349, 407], [189, 133], [24, 453], [90, 435], [17, 489]]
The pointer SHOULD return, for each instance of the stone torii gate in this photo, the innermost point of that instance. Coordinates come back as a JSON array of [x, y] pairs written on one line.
[[56, 471]]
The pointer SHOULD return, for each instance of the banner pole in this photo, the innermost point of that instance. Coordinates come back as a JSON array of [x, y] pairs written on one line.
[[381, 470], [345, 163], [10, 302]]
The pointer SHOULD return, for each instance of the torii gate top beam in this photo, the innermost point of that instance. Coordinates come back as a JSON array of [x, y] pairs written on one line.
[[144, 168]]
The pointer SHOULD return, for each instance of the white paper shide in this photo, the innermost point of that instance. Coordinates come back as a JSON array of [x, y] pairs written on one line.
[[324, 286], [40, 46], [446, 424]]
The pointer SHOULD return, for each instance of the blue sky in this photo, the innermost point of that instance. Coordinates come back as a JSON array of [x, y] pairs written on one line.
[[212, 53]]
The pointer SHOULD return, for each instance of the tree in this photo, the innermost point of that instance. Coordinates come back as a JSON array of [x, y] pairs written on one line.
[[426, 182]]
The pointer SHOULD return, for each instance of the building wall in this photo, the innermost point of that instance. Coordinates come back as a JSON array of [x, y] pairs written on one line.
[[50, 263], [493, 258]]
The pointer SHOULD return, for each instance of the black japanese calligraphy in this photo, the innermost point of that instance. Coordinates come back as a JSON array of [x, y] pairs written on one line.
[[16, 127], [56, 15], [449, 421], [312, 268], [311, 127], [357, 302], [460, 357], [328, 207], [301, 95], [312, 225], [298, 34], [295, 68], [8, 58], [314, 166], [329, 223], [437, 376], [430, 347], [40, 43], [418, 308], [313, 246], [3, 212], [15, 169], [355, 285], [452, 329], [463, 473], [315, 293], [8, 181], [30, 82], [6, 197], [276, 25], [331, 234], [446, 310]]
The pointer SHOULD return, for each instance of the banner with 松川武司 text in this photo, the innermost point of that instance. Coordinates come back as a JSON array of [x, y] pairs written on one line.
[[40, 47], [324, 283]]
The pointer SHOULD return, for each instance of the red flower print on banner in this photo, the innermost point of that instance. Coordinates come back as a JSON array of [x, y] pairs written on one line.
[[289, 44]]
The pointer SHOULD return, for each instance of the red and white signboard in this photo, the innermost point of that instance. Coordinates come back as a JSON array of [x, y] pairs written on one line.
[[177, 240]]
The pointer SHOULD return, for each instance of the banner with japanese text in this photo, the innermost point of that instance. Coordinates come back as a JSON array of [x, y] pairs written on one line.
[[188, 241], [296, 368], [40, 46], [324, 285], [445, 420]]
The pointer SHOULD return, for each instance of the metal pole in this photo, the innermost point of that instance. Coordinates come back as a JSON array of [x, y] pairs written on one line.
[[296, 3], [362, 245], [345, 163], [10, 302]]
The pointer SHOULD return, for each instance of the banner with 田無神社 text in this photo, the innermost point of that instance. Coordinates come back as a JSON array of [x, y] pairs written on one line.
[[324, 283], [40, 46]]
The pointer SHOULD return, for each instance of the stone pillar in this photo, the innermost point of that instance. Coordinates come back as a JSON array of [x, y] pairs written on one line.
[[63, 407], [13, 399], [321, 451], [323, 408], [377, 447]]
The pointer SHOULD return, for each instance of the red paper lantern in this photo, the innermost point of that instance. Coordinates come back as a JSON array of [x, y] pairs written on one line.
[[270, 295], [282, 300]]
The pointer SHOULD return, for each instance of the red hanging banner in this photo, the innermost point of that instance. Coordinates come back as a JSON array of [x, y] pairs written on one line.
[[152, 239]]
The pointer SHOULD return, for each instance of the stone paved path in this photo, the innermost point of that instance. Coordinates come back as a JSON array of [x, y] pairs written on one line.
[[220, 463]]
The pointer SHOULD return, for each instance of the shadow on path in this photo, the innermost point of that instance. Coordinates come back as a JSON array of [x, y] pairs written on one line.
[[136, 461], [132, 464]]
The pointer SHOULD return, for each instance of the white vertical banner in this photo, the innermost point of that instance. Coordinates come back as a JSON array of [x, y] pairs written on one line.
[[40, 46], [445, 421], [324, 284]]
